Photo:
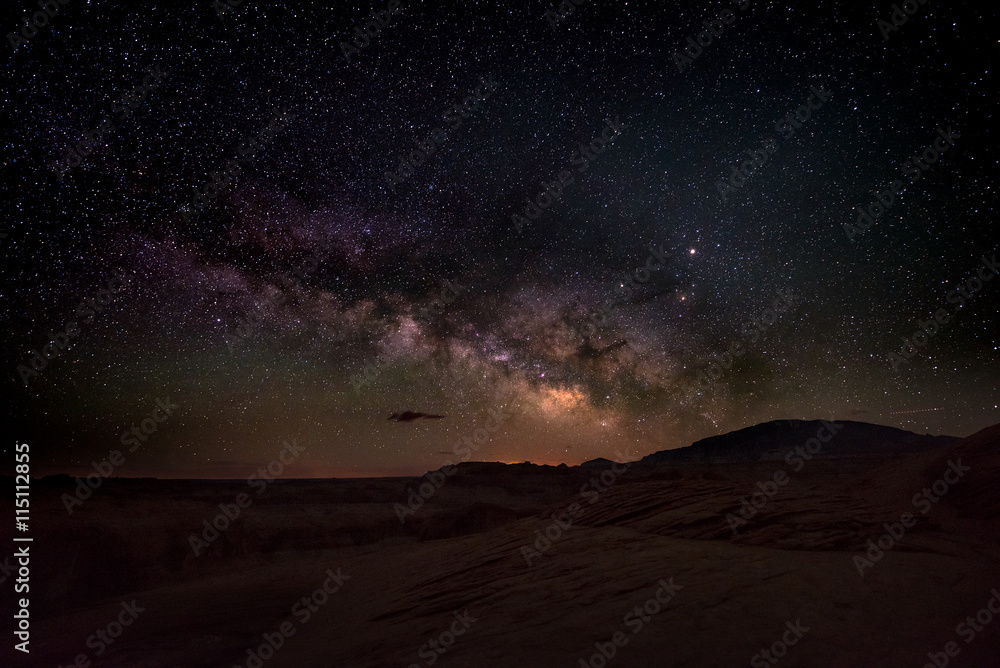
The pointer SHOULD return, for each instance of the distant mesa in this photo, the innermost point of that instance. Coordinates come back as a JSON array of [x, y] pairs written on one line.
[[772, 440], [410, 416], [768, 441], [600, 462]]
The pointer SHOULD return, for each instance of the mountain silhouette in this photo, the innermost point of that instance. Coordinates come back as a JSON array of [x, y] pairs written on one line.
[[772, 440]]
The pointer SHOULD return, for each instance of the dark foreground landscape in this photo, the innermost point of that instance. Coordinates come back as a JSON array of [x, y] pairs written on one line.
[[869, 546]]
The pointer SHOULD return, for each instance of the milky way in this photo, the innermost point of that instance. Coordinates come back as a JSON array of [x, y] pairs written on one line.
[[635, 238]]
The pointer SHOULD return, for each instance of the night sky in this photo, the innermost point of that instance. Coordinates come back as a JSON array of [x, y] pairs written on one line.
[[321, 252]]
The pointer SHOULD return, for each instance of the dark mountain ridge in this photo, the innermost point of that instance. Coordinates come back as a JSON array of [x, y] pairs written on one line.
[[773, 440]]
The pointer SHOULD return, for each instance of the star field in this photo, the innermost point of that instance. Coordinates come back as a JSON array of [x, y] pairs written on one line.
[[259, 315]]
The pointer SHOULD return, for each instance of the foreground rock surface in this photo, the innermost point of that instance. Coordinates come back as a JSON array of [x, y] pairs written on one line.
[[467, 553]]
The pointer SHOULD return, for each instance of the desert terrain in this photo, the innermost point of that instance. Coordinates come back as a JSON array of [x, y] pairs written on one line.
[[657, 562]]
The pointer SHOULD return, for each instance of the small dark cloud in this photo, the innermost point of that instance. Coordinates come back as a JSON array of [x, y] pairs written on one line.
[[410, 416]]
